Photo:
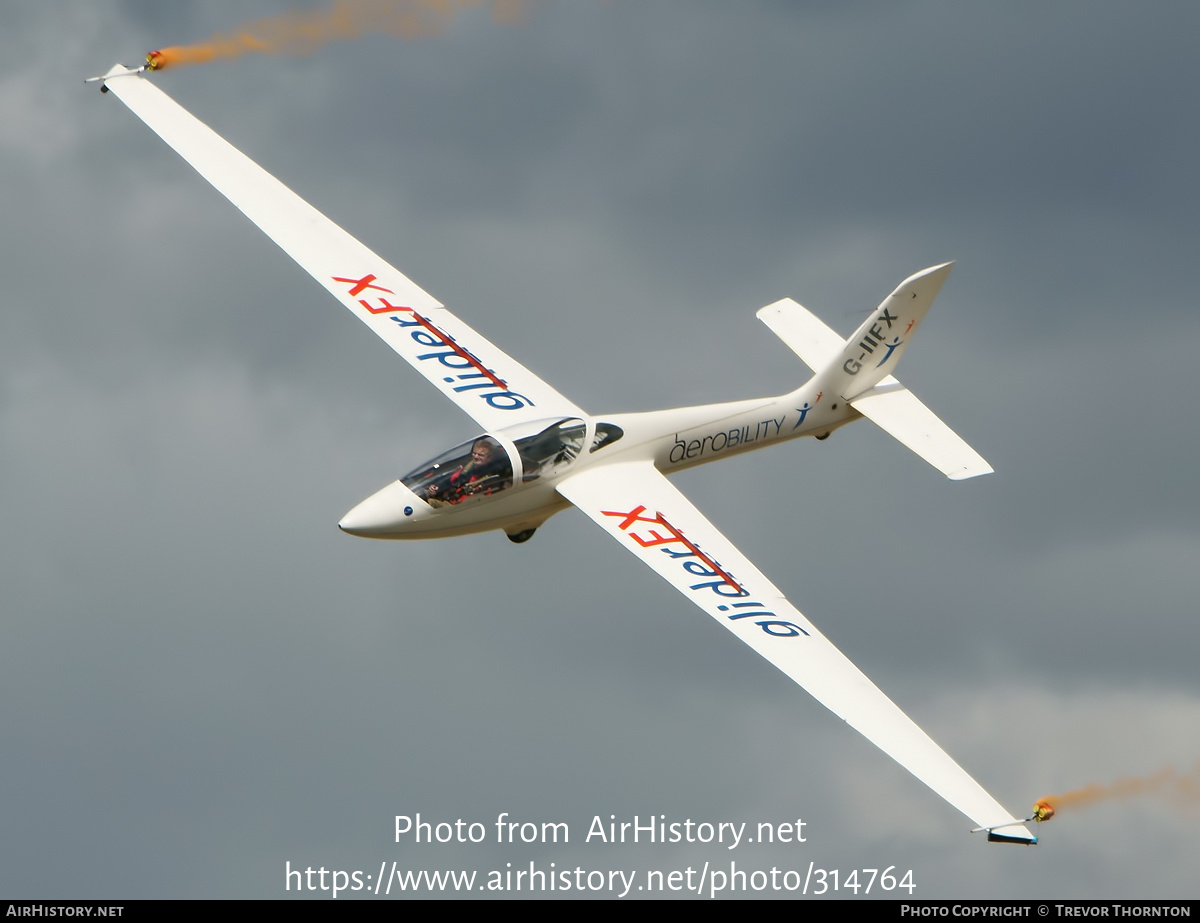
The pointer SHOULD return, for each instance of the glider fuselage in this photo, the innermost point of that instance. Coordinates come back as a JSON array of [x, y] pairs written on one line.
[[674, 439]]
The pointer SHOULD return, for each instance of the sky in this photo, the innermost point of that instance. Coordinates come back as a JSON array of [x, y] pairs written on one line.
[[205, 683]]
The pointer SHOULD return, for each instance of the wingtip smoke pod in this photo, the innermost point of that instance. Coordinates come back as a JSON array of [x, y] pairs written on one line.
[[1042, 811]]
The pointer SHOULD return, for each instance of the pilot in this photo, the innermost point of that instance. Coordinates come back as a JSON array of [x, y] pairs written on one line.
[[483, 474]]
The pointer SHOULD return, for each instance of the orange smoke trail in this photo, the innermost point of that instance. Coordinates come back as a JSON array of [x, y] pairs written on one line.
[[1180, 788], [299, 33]]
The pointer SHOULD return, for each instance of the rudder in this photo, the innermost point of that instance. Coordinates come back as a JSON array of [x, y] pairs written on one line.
[[872, 353]]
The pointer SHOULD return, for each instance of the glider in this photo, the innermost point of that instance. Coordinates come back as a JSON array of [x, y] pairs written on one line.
[[541, 453]]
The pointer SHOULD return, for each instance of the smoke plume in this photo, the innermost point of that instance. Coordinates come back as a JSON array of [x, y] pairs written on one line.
[[1179, 788], [299, 33]]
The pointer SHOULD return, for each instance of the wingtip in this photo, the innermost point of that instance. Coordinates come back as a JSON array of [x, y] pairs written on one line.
[[1013, 832], [117, 70], [1021, 839], [974, 472]]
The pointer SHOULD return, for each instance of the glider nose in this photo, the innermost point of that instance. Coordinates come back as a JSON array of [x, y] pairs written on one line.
[[382, 514]]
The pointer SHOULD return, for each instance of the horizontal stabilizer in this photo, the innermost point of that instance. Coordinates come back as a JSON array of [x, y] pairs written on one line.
[[894, 408], [805, 334]]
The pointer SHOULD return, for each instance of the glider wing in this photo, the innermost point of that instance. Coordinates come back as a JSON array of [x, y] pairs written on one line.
[[490, 386], [639, 507]]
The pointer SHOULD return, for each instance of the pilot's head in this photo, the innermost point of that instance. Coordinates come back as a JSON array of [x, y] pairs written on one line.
[[485, 451]]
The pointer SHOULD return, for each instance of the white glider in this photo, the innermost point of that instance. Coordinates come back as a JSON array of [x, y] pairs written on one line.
[[541, 453]]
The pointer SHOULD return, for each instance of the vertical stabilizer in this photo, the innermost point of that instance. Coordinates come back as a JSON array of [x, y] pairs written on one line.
[[871, 354]]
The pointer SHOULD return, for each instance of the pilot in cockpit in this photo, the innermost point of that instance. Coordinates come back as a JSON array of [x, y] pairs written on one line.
[[487, 470]]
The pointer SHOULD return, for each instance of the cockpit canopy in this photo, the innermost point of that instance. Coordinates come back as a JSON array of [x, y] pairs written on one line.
[[476, 468], [520, 454]]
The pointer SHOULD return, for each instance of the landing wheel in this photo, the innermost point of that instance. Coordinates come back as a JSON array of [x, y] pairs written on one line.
[[523, 536], [823, 436]]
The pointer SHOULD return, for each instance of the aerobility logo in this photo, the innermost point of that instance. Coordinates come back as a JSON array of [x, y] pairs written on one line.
[[698, 564], [473, 374], [712, 443]]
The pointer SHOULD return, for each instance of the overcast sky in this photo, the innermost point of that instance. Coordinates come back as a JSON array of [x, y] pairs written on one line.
[[203, 679]]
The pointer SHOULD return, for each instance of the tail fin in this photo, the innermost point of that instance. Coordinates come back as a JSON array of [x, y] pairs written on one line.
[[859, 369], [873, 351]]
